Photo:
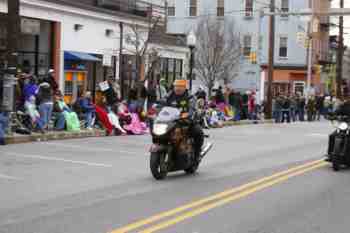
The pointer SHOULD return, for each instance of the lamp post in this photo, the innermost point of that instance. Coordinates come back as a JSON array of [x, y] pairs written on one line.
[[130, 77], [191, 43]]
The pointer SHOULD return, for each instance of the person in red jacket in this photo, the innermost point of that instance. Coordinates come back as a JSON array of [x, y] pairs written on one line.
[[252, 106]]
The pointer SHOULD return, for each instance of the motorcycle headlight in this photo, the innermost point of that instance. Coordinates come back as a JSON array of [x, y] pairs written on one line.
[[160, 129], [343, 126]]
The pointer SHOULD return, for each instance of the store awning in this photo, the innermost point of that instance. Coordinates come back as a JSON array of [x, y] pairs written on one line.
[[78, 56]]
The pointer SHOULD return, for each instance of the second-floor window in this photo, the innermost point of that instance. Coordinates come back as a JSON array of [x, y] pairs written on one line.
[[247, 45], [171, 8], [193, 7], [248, 8], [285, 7], [221, 8], [171, 11], [283, 53]]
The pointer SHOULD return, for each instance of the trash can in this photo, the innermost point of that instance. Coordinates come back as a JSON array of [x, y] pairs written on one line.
[[8, 102]]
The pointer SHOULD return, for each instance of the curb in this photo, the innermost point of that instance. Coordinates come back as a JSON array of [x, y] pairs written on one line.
[[245, 122], [17, 139]]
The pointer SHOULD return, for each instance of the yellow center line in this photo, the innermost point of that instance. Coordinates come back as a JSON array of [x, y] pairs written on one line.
[[203, 201], [206, 208]]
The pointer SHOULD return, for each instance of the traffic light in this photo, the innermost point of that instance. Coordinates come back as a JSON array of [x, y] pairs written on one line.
[[317, 69], [252, 58], [307, 43]]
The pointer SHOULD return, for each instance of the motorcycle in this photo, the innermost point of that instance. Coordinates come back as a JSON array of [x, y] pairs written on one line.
[[172, 148], [339, 153]]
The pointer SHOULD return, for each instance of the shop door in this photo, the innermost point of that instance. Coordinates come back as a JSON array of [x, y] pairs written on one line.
[[75, 85], [299, 88]]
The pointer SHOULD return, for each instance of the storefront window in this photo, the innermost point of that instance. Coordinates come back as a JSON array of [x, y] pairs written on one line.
[[35, 46], [171, 71], [163, 68], [178, 69], [35, 63]]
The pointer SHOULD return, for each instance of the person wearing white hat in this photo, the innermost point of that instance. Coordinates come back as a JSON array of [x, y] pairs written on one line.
[[52, 81]]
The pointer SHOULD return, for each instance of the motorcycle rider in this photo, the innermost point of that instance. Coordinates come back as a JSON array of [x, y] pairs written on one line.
[[181, 98], [343, 110]]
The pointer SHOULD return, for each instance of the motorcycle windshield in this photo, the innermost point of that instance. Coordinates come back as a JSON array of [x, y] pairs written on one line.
[[168, 114]]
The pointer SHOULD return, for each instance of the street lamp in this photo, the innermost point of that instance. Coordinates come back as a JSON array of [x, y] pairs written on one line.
[[191, 43], [130, 77]]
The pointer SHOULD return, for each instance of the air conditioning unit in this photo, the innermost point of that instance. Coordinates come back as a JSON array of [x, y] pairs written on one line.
[[248, 14], [107, 3]]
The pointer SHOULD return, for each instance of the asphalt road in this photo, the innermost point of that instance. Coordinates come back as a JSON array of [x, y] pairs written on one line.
[[101, 185]]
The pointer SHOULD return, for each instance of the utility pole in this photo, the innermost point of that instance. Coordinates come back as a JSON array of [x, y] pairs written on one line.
[[121, 60], [340, 53], [271, 60], [310, 52]]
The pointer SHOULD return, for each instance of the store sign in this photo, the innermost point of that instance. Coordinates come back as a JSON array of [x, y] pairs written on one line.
[[104, 86], [107, 60], [315, 25], [30, 26], [74, 66]]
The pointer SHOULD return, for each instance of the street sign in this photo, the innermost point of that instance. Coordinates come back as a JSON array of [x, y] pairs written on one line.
[[104, 86], [30, 26], [315, 25]]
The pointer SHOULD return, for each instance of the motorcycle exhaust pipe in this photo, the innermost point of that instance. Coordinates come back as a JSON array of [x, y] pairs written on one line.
[[206, 149]]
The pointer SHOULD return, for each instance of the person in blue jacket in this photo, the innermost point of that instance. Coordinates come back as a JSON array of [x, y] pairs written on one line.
[[3, 127], [3, 115], [88, 109]]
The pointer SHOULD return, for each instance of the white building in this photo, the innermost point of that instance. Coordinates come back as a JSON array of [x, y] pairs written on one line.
[[78, 38], [290, 56]]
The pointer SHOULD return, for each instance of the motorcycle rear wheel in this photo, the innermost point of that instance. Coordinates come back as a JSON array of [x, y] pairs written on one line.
[[155, 165], [335, 164]]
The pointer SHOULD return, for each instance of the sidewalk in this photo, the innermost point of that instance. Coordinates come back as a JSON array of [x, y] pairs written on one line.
[[35, 137]]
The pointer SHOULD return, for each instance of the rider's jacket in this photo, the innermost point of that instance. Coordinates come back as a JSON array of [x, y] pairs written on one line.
[[183, 102]]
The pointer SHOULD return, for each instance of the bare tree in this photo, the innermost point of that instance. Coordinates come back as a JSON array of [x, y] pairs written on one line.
[[218, 51], [140, 39]]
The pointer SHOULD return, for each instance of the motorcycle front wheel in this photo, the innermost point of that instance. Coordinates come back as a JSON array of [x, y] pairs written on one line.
[[158, 168], [193, 169]]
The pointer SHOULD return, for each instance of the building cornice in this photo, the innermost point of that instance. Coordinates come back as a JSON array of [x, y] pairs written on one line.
[[86, 11]]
